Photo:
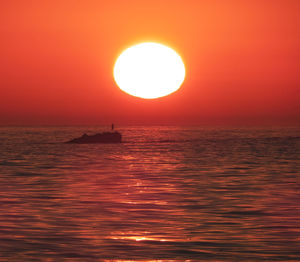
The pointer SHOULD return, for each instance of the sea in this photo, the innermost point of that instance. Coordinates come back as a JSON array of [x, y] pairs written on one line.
[[167, 193]]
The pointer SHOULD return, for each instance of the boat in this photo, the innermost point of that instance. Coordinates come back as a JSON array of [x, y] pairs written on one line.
[[104, 138]]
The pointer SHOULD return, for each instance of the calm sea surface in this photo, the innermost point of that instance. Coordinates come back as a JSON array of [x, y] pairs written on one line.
[[166, 193]]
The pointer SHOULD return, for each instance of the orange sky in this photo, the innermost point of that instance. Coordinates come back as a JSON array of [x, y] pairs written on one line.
[[242, 60]]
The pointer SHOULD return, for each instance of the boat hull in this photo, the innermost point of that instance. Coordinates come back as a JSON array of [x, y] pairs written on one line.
[[101, 138]]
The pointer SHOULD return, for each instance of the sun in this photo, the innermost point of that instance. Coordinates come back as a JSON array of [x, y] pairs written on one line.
[[149, 70]]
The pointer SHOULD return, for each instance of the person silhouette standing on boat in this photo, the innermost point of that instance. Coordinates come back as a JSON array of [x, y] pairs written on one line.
[[112, 127]]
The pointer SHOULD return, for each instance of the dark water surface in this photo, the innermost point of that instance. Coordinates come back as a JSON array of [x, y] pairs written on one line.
[[167, 193]]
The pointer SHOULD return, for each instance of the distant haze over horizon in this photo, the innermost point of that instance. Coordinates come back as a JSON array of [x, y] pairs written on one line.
[[242, 62]]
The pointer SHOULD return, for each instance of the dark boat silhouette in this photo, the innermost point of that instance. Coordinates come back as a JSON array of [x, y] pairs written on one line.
[[105, 137]]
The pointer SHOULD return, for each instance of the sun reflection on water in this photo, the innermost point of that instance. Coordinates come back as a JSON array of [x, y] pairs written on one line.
[[216, 197], [124, 236]]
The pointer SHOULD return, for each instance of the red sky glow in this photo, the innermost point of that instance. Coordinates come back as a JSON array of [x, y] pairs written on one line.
[[242, 61]]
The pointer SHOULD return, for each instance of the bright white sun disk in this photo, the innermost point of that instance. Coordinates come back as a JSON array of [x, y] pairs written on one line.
[[149, 70]]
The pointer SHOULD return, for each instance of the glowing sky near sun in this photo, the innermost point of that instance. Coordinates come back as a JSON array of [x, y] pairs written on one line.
[[242, 61]]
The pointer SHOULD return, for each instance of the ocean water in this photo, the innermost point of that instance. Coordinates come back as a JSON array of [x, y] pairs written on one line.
[[165, 194]]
